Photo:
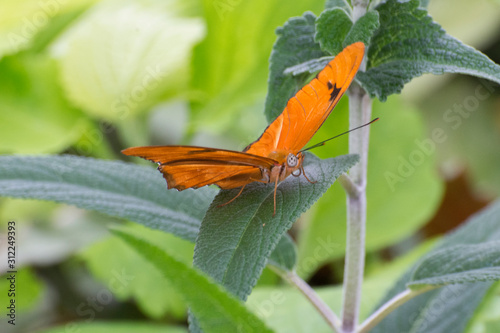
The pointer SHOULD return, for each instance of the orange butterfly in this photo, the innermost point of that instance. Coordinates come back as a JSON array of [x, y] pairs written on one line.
[[276, 154]]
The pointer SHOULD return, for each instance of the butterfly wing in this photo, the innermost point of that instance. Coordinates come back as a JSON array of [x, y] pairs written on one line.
[[308, 109], [193, 167]]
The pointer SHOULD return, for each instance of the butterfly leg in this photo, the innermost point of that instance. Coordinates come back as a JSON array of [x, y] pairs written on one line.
[[304, 173], [239, 193]]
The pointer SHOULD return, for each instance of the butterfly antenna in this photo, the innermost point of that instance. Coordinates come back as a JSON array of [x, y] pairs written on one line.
[[322, 143]]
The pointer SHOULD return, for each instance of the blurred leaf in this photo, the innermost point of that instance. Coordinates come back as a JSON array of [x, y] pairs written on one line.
[[486, 319], [284, 255], [229, 68], [114, 188], [467, 112], [455, 303], [403, 190], [247, 229], [153, 294], [123, 56], [22, 20], [215, 308], [115, 326], [294, 45], [34, 116], [409, 44], [332, 26], [458, 264]]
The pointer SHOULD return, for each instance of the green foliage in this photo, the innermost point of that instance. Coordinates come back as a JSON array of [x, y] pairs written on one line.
[[113, 188], [35, 118], [112, 61], [456, 302], [409, 44], [402, 195], [458, 264], [216, 310], [294, 44], [147, 61], [121, 269], [251, 231], [229, 68], [121, 326], [332, 26]]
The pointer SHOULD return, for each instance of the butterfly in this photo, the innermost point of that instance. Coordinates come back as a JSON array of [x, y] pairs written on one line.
[[276, 154]]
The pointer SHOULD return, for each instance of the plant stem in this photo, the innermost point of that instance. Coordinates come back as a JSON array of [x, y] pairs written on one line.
[[388, 307], [332, 320], [359, 114]]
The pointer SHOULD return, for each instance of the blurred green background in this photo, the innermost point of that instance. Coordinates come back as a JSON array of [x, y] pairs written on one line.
[[91, 77]]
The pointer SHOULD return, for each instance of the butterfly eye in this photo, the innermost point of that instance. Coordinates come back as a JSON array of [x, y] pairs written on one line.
[[291, 160]]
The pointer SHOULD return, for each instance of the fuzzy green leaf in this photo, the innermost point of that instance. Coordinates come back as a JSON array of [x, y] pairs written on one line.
[[215, 309], [363, 29], [295, 44], [332, 26], [284, 255], [409, 44], [117, 189], [456, 303], [458, 264], [236, 240], [114, 188], [344, 4], [329, 39]]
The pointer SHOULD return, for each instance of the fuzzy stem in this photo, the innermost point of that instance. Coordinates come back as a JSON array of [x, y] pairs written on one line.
[[359, 114], [388, 307], [332, 320]]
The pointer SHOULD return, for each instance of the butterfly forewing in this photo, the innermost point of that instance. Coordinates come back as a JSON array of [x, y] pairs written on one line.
[[189, 166], [308, 109]]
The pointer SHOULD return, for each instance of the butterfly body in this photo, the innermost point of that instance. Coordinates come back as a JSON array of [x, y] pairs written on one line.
[[277, 153]]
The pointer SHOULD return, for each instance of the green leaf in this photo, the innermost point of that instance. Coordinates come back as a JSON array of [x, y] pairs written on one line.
[[115, 326], [114, 188], [21, 21], [280, 304], [456, 303], [332, 26], [458, 264], [120, 58], [35, 117], [215, 309], [344, 4], [284, 255], [121, 269], [333, 42], [409, 44], [363, 29], [230, 67], [401, 171], [295, 44], [236, 240]]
